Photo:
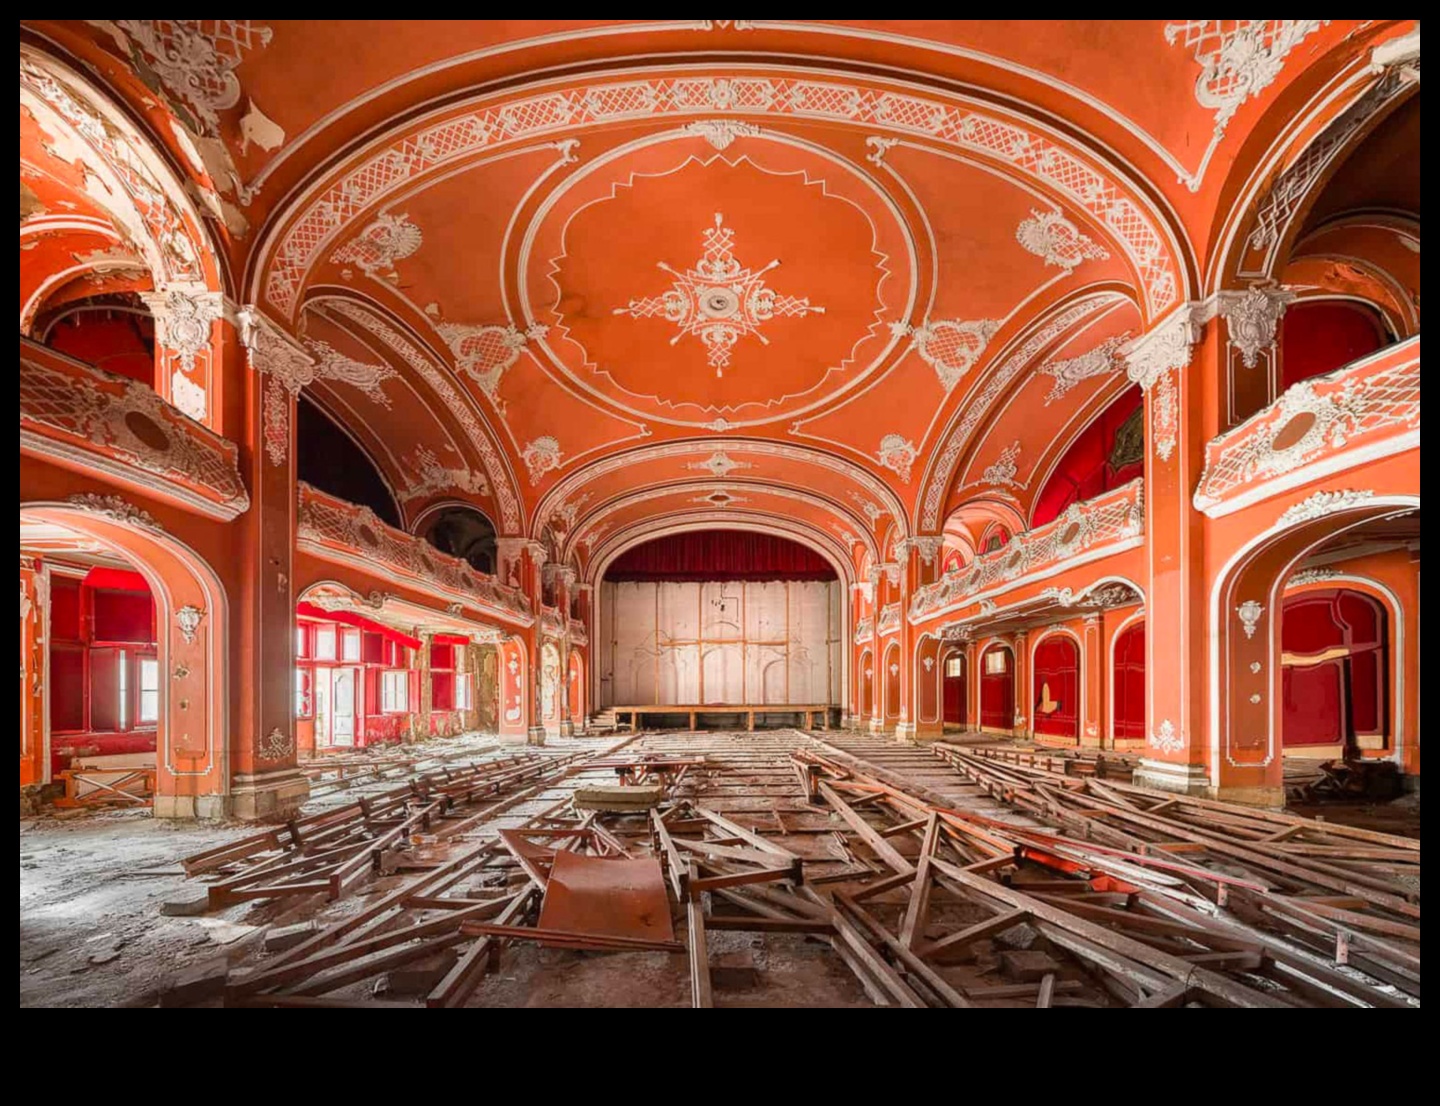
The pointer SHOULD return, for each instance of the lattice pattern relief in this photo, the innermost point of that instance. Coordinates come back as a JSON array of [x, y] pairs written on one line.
[[1348, 409], [327, 523], [85, 408]]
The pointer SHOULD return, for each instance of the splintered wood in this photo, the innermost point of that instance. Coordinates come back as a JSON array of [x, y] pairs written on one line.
[[947, 876]]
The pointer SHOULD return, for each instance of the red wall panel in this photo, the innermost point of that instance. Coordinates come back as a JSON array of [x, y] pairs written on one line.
[[1130, 683], [1319, 337], [1086, 470], [997, 691]]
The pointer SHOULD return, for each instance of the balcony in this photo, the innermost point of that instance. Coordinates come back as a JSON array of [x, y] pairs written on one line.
[[348, 534], [552, 623], [864, 631], [1096, 528], [94, 421], [1366, 410], [578, 636]]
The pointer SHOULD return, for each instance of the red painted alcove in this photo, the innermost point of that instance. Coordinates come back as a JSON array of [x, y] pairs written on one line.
[[120, 342], [1334, 684], [953, 691], [1057, 666], [1320, 336], [1087, 469]]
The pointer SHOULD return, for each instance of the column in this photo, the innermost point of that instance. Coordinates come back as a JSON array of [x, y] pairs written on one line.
[[534, 562], [972, 686], [259, 415], [1023, 698], [190, 325], [562, 579], [1164, 363], [877, 662], [919, 565], [1093, 672]]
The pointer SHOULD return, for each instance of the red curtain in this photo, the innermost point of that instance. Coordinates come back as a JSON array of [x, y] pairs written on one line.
[[116, 579], [1130, 683], [720, 555], [1085, 471], [1057, 666], [349, 618]]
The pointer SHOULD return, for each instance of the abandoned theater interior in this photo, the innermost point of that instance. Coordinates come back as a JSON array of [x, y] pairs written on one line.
[[720, 513]]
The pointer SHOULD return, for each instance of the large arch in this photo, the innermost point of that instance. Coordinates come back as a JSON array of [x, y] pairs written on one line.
[[1245, 692], [193, 625], [997, 687]]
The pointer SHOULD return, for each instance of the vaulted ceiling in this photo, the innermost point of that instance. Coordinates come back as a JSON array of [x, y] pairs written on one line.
[[602, 277]]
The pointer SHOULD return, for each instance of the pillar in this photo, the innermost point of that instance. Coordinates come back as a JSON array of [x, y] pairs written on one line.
[[267, 369], [1093, 672], [919, 559], [1023, 696], [1164, 363]]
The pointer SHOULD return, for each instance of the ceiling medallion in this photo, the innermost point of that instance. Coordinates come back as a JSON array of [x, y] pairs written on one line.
[[719, 301]]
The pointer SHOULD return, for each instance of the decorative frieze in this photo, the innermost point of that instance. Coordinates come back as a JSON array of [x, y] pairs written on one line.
[[864, 631], [1107, 523], [1323, 503], [1365, 410], [335, 530], [949, 346], [114, 508]]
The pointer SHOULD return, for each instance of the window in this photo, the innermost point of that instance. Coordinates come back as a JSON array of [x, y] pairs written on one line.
[[149, 690], [124, 679], [300, 640], [997, 662], [304, 699], [462, 691], [952, 666], [325, 643], [395, 691], [350, 645]]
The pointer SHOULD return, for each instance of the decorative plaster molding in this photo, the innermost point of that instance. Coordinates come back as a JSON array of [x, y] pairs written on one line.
[[949, 346], [1051, 236], [719, 464], [113, 507], [331, 364], [1249, 613], [1323, 503], [897, 453], [720, 133], [1002, 473], [386, 240], [188, 619], [541, 456], [1312, 576], [1103, 360], [1152, 361], [717, 299], [1166, 739], [1253, 317], [276, 745]]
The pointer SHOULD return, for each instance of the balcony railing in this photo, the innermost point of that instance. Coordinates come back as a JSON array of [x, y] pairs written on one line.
[[1097, 527], [578, 636], [93, 420], [349, 534], [864, 631], [1365, 410], [552, 622]]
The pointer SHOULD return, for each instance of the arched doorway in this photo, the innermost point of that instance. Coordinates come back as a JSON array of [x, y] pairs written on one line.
[[997, 689], [175, 679], [1055, 687], [892, 685], [953, 691], [867, 686], [1246, 615], [1334, 672], [1127, 687]]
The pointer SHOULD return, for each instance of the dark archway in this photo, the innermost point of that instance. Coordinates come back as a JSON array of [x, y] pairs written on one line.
[[329, 459], [462, 532]]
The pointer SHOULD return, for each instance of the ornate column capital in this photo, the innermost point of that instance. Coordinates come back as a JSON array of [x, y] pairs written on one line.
[[1253, 317], [1166, 346]]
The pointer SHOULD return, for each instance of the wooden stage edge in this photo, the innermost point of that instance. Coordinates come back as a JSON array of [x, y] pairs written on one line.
[[749, 710]]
